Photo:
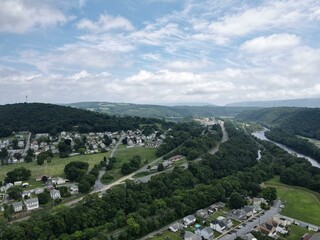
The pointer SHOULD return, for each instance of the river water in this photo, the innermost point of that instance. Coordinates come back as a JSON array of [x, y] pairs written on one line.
[[261, 135]]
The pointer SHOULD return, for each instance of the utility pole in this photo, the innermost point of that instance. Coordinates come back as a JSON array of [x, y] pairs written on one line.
[[26, 98]]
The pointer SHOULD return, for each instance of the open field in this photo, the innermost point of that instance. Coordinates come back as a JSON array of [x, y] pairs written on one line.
[[55, 168], [165, 234], [300, 203], [296, 232], [124, 154]]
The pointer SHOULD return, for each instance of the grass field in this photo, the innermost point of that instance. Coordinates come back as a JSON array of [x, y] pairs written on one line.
[[124, 154], [165, 234], [296, 232], [300, 203], [55, 168]]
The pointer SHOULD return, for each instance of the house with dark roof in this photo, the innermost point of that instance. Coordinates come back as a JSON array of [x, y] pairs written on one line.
[[221, 224], [207, 233], [237, 214]]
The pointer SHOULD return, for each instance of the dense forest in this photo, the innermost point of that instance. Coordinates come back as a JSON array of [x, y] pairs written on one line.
[[300, 145], [49, 118], [297, 121], [143, 110]]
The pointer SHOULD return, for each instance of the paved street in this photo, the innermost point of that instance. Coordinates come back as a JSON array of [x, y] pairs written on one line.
[[250, 225]]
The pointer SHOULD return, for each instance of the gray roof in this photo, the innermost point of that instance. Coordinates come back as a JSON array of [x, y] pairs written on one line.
[[208, 230], [315, 236], [17, 204], [191, 218], [248, 209], [31, 200]]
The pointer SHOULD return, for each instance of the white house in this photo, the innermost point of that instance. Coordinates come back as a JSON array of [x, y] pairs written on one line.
[[32, 203], [221, 224], [17, 206], [54, 193], [189, 220], [175, 227], [74, 189]]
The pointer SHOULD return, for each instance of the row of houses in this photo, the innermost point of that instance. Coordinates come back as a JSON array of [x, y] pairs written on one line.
[[30, 204]]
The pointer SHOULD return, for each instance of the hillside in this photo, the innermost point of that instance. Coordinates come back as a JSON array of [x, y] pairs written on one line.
[[143, 110], [298, 121], [307, 102], [40, 118]]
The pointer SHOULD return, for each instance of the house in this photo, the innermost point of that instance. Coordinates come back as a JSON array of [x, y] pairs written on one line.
[[221, 224], [249, 210], [38, 190], [237, 214], [219, 205], [268, 228], [17, 183], [281, 229], [313, 228], [54, 193], [26, 193], [212, 209], [189, 220], [191, 236], [74, 189], [207, 233], [175, 227], [58, 180], [21, 144], [32, 203], [283, 221], [17, 206], [202, 213]]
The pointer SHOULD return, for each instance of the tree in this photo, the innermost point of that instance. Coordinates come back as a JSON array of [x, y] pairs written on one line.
[[43, 198], [14, 192], [76, 170], [236, 201], [84, 186], [40, 161], [18, 174], [126, 169], [3, 153], [64, 149], [160, 167], [28, 159], [269, 193], [125, 141], [106, 140], [30, 153]]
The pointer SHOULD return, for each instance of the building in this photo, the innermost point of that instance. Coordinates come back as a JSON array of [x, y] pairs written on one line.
[[191, 236], [207, 233], [74, 189], [175, 227], [17, 206], [189, 220], [54, 193], [32, 203]]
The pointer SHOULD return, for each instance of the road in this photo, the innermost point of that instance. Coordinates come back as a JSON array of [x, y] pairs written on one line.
[[27, 144], [98, 185], [250, 225]]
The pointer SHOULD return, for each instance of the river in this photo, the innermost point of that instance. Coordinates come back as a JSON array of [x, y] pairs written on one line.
[[261, 135]]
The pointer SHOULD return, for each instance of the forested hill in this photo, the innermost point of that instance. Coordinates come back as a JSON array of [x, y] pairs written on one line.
[[42, 118], [298, 121], [143, 110]]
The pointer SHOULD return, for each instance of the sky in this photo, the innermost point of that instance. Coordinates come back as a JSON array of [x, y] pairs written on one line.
[[159, 51]]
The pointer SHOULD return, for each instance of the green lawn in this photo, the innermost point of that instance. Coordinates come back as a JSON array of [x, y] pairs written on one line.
[[296, 232], [167, 233], [300, 203], [55, 168], [124, 154]]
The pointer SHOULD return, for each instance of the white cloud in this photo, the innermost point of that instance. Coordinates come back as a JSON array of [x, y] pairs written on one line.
[[270, 44], [105, 23], [19, 16]]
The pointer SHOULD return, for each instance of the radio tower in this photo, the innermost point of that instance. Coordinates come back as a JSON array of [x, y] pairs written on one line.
[[27, 99]]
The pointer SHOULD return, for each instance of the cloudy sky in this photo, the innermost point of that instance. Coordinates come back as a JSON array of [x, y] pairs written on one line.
[[159, 51]]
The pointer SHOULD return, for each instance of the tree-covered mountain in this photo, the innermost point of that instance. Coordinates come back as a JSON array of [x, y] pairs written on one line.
[[40, 118], [306, 102], [297, 121], [143, 110]]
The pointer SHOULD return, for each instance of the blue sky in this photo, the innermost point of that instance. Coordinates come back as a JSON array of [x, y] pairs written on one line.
[[153, 51]]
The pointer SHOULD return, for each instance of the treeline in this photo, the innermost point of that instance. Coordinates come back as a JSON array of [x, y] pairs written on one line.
[[300, 145], [297, 121], [132, 210], [178, 135], [49, 118], [293, 170]]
